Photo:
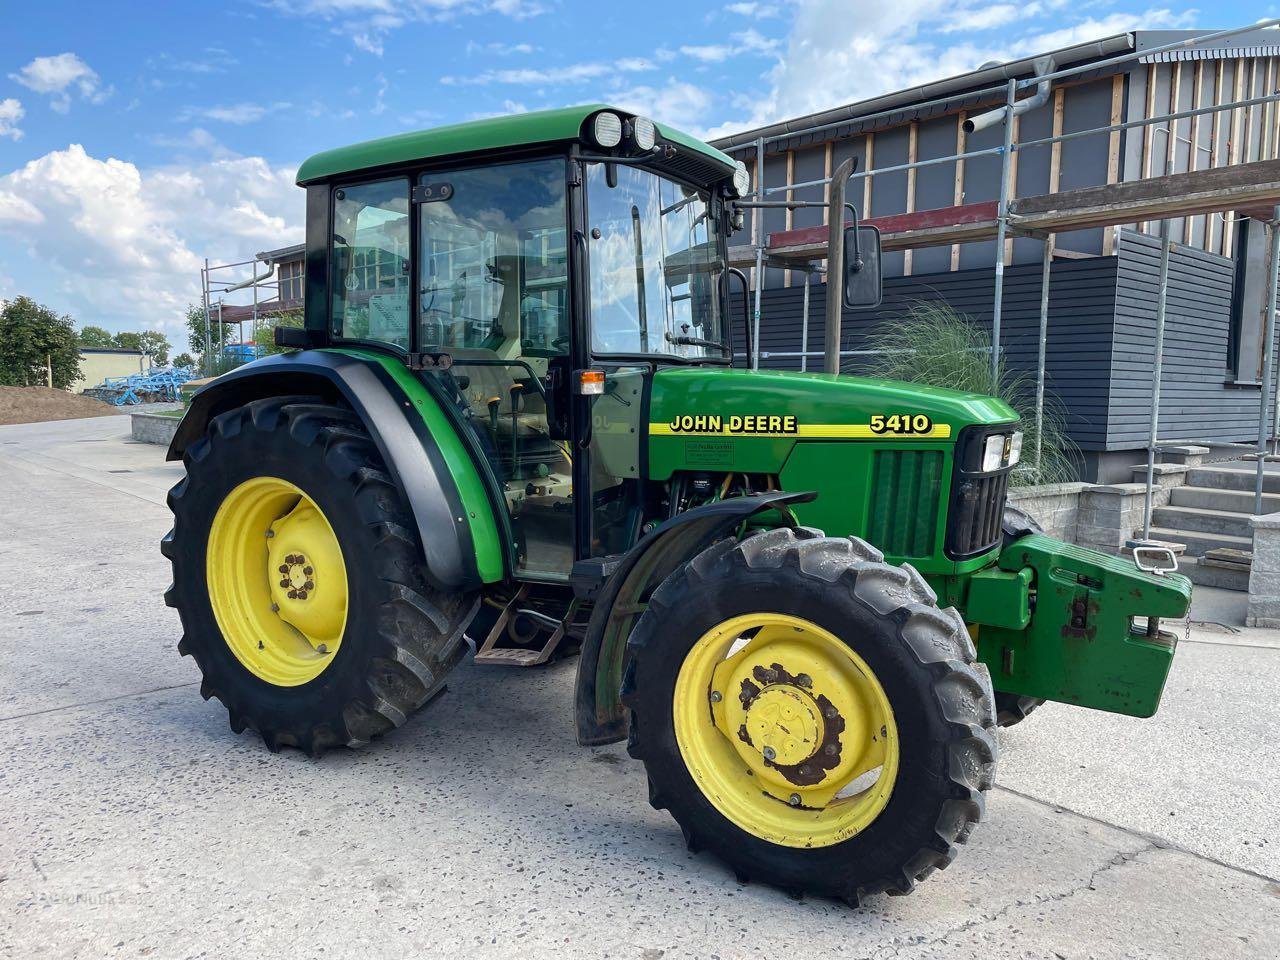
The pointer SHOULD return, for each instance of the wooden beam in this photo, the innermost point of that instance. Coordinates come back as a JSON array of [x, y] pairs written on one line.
[[1182, 194], [1113, 154], [1193, 156], [1233, 151], [1149, 130], [913, 154], [1213, 224], [962, 142], [866, 181], [1013, 185]]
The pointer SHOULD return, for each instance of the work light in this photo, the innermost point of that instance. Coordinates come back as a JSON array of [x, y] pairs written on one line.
[[606, 129], [741, 180], [644, 133], [1001, 450]]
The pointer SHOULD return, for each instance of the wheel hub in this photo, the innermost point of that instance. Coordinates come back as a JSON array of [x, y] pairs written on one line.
[[277, 581], [787, 730]]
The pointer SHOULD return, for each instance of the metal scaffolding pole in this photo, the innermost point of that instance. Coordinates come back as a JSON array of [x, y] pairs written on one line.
[[804, 323], [208, 343], [1002, 224], [757, 240], [1046, 268], [1165, 245], [1268, 350]]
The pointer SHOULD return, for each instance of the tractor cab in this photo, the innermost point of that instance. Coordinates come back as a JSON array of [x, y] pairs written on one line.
[[505, 276]]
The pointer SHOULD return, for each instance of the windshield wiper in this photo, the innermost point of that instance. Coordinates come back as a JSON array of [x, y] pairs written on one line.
[[696, 342]]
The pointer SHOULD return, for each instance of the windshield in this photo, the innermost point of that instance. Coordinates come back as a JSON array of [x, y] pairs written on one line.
[[655, 266]]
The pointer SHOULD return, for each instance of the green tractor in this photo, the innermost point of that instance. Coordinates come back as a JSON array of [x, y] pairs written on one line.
[[514, 424]]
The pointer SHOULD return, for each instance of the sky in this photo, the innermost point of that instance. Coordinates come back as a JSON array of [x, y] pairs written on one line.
[[137, 139]]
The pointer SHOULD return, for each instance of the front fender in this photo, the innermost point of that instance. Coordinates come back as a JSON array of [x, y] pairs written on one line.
[[457, 523], [599, 715]]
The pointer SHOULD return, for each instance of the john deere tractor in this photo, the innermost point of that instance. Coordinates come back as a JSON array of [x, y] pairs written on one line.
[[517, 424]]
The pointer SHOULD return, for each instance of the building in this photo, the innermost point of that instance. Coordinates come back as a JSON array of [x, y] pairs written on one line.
[[98, 363], [280, 287], [1103, 279]]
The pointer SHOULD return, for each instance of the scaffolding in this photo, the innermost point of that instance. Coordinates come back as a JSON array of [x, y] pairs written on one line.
[[216, 281], [1252, 186]]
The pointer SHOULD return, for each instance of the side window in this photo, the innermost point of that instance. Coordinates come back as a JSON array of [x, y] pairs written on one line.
[[369, 287]]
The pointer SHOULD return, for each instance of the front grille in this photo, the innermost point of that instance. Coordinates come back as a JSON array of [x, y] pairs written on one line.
[[905, 488], [977, 507]]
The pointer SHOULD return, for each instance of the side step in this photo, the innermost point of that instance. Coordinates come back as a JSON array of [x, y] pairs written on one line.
[[490, 654]]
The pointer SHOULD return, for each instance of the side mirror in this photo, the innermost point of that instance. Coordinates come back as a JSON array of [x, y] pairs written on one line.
[[862, 272]]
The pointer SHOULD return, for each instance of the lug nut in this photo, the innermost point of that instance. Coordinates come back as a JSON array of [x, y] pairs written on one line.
[[806, 769], [830, 713], [804, 680], [323, 648], [285, 583], [769, 753], [794, 800], [308, 570], [293, 594], [309, 585], [830, 749], [715, 696], [302, 594], [284, 568], [270, 534]]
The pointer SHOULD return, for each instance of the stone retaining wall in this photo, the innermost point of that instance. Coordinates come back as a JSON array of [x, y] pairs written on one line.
[[153, 428]]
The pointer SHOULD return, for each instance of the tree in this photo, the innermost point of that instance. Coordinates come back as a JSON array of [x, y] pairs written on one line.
[[34, 340], [149, 343], [91, 336], [184, 360], [195, 333], [264, 331]]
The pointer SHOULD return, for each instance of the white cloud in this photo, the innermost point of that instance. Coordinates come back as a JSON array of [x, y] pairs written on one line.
[[711, 53], [236, 113], [11, 114], [678, 103], [57, 76], [368, 22], [832, 59], [573, 73], [500, 49], [970, 19], [115, 244], [760, 11]]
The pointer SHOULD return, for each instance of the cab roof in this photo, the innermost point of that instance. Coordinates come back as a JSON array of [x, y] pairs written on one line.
[[495, 133]]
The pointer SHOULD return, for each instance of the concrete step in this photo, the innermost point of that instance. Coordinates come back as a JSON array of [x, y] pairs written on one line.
[[1202, 521], [1232, 478], [1225, 501], [1198, 542], [1212, 575]]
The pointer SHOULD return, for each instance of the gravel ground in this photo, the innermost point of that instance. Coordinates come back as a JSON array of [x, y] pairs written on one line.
[[133, 823]]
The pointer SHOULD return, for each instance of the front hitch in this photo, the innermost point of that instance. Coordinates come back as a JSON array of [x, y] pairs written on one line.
[[1092, 637]]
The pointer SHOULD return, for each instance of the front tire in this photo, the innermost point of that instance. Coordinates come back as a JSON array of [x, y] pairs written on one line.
[[297, 577], [857, 667]]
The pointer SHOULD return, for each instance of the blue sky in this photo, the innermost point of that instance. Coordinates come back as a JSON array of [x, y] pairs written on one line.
[[138, 139]]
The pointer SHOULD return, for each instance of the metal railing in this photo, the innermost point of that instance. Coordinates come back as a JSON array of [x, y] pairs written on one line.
[[1005, 227]]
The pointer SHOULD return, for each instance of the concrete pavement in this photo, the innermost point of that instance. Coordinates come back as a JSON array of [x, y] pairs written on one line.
[[134, 823]]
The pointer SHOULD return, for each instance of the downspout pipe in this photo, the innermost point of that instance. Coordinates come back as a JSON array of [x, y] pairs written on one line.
[[1043, 67], [245, 284]]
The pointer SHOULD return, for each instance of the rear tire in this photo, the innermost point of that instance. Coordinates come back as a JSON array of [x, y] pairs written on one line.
[[922, 659], [400, 636]]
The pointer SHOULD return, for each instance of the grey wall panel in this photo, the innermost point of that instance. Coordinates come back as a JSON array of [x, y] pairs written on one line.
[[1081, 320], [1196, 400]]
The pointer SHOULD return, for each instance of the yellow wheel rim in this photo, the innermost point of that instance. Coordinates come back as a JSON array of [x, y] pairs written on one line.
[[277, 581], [786, 730]]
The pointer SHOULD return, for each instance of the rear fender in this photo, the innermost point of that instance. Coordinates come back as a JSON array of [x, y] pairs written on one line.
[[599, 715], [457, 523]]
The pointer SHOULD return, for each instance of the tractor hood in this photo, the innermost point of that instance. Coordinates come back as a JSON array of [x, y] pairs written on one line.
[[749, 420]]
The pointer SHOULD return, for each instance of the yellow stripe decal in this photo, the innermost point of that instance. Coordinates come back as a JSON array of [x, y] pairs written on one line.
[[813, 431]]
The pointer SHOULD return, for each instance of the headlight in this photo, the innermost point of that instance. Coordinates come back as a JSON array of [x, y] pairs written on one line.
[[741, 180], [1001, 450], [644, 133], [606, 129]]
